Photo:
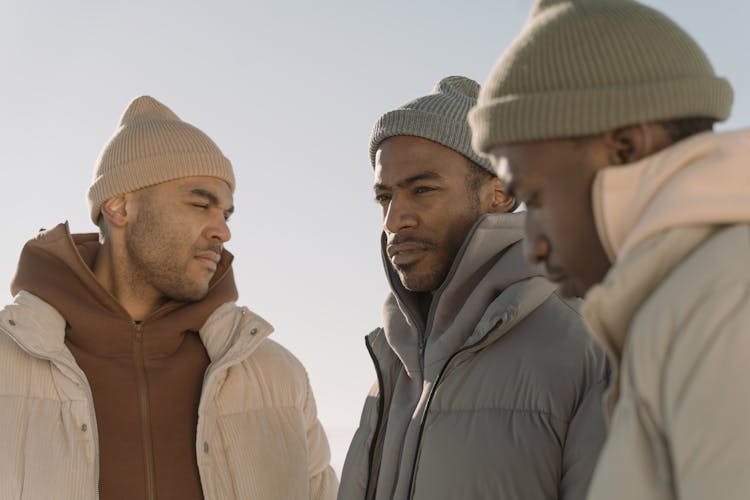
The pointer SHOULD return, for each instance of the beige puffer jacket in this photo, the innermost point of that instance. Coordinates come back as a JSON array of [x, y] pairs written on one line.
[[258, 434], [674, 314]]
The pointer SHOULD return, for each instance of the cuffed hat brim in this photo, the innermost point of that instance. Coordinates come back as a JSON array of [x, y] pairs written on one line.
[[583, 67]]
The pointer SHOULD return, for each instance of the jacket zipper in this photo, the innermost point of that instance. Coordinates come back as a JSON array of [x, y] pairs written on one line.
[[142, 388], [422, 342], [375, 438], [423, 420], [90, 396]]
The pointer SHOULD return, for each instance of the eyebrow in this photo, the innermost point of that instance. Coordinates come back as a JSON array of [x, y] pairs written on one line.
[[211, 197], [429, 175]]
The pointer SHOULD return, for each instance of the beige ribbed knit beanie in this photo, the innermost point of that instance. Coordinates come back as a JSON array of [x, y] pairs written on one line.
[[583, 67], [439, 117], [152, 145]]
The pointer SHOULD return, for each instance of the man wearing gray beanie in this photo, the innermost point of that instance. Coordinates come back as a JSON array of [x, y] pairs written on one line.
[[488, 385], [599, 116], [127, 369]]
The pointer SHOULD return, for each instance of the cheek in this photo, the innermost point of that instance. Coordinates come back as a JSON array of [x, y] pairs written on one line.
[[178, 239], [452, 232], [572, 232]]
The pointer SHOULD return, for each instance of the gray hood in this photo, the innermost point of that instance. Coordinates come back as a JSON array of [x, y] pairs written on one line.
[[487, 283], [490, 260]]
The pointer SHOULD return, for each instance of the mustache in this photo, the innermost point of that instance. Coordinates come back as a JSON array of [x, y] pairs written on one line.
[[399, 239], [217, 248]]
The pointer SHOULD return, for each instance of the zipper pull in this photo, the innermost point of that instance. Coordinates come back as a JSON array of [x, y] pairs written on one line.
[[138, 330]]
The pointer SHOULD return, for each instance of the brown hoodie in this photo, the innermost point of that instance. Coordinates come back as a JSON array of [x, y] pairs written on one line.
[[146, 378]]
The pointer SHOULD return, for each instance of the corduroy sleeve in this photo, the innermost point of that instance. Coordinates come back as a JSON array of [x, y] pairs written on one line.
[[323, 482], [706, 399]]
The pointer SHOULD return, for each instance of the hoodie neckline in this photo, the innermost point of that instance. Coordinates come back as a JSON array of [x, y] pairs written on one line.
[[701, 180], [487, 264], [56, 266]]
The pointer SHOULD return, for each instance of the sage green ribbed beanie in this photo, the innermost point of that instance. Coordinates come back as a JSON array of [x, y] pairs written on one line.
[[583, 67], [439, 116], [152, 145]]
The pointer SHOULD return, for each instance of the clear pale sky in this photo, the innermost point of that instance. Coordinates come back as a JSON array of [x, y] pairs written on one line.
[[289, 91]]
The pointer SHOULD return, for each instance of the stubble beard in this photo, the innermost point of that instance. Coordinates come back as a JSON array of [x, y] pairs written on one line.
[[153, 248], [427, 281], [433, 278]]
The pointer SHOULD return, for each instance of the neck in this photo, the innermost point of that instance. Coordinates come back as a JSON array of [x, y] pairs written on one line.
[[135, 296]]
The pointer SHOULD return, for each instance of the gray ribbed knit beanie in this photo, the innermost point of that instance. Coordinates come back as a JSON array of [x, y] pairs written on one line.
[[152, 145], [439, 117], [583, 67]]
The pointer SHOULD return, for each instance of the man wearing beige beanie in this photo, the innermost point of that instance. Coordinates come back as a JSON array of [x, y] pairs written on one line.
[[599, 116], [127, 369], [488, 385]]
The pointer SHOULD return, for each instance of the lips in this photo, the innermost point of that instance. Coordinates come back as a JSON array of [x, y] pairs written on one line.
[[209, 258], [404, 254]]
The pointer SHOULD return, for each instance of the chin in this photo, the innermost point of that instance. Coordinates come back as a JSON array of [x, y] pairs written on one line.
[[420, 282], [188, 294]]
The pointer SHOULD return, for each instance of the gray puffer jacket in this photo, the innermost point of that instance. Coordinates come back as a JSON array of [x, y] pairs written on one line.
[[500, 389]]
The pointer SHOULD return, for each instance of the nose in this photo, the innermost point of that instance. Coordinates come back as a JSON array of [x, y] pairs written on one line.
[[219, 230], [536, 245], [536, 250], [398, 217]]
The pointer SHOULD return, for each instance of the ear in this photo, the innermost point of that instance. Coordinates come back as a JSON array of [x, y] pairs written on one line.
[[635, 142], [114, 210], [501, 202]]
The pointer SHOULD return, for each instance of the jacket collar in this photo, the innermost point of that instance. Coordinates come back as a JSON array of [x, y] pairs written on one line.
[[698, 181], [230, 334], [483, 284], [651, 214], [610, 306], [34, 325]]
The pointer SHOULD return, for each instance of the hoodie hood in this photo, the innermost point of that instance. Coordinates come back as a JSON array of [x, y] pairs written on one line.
[[650, 216], [56, 266], [703, 180], [490, 260]]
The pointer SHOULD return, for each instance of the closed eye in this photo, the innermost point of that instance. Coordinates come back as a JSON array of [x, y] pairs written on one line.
[[382, 198]]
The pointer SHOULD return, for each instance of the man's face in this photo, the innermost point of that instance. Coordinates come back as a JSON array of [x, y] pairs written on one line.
[[175, 237], [428, 207], [554, 179]]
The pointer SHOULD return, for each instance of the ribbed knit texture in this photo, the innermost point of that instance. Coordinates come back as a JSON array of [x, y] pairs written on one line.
[[439, 116], [152, 145], [582, 67]]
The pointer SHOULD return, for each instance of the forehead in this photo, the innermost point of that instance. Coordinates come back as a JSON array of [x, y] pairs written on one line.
[[400, 157], [199, 184], [518, 164]]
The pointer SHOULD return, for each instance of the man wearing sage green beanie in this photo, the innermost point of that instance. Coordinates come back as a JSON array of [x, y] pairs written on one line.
[[127, 369], [599, 116], [488, 385]]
